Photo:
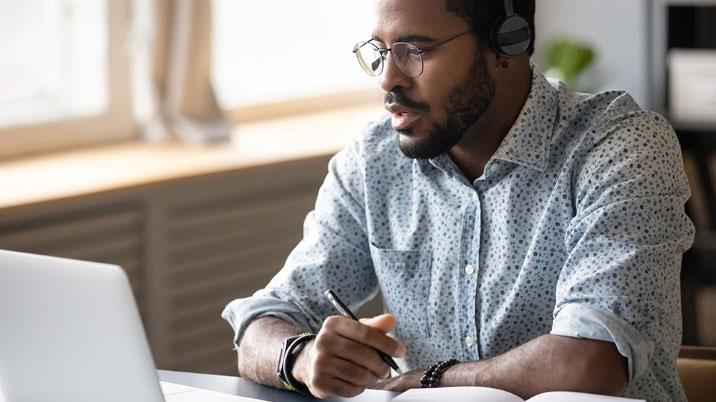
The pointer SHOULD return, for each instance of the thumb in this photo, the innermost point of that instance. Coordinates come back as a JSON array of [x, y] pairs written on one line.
[[384, 322]]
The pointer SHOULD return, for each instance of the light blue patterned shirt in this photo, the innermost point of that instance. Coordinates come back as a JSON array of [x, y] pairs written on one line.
[[575, 228]]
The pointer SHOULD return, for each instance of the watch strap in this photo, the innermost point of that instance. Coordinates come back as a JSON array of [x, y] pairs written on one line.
[[291, 347]]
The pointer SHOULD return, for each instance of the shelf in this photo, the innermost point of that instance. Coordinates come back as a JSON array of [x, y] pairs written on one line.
[[48, 178]]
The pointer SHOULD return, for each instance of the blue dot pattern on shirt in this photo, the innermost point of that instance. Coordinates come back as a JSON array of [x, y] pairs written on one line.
[[575, 228]]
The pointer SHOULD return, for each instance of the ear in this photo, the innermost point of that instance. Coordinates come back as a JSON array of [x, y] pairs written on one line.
[[503, 62], [496, 64], [508, 65]]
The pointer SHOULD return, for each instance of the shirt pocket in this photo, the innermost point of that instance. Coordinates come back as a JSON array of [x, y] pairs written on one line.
[[404, 278]]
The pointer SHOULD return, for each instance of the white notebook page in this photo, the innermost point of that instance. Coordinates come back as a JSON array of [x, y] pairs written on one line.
[[577, 397], [181, 393], [457, 394], [482, 394]]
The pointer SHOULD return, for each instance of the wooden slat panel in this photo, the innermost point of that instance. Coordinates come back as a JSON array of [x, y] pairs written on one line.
[[219, 335], [221, 292], [208, 310], [221, 236], [223, 363], [245, 247], [189, 325], [243, 262], [241, 236], [111, 233], [47, 231], [230, 245], [208, 352], [109, 250], [229, 283], [198, 197], [209, 239], [224, 242], [247, 257], [218, 325], [239, 209]]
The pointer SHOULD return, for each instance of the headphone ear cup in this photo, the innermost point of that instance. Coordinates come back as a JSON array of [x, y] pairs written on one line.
[[511, 36]]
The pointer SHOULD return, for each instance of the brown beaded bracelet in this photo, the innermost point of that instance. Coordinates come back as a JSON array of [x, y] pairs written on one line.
[[431, 378]]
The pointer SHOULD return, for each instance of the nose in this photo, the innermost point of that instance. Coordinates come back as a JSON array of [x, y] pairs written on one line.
[[393, 76]]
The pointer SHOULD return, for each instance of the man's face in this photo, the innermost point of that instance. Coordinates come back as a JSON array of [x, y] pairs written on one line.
[[431, 112]]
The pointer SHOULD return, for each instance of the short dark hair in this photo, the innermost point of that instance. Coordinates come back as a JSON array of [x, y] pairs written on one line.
[[480, 15]]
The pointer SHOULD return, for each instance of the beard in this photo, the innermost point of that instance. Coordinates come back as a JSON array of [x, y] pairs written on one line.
[[464, 105]]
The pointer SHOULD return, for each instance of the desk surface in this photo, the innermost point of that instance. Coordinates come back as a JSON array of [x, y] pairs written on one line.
[[243, 387]]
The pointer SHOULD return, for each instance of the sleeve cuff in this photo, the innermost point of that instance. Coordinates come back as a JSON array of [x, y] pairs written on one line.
[[580, 321], [241, 312]]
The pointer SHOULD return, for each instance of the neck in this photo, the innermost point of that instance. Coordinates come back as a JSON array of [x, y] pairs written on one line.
[[483, 138]]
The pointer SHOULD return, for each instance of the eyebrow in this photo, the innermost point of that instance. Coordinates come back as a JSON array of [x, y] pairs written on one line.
[[408, 38]]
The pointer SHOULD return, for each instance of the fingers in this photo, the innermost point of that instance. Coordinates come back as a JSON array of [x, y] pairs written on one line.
[[364, 334], [328, 344], [348, 372], [329, 373], [384, 322], [325, 387], [343, 360]]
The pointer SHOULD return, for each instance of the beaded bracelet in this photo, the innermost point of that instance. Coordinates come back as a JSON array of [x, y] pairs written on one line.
[[432, 376]]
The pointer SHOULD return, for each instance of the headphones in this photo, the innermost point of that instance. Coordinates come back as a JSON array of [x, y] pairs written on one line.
[[511, 35]]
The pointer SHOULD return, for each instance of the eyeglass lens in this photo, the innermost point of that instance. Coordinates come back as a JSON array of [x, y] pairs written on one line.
[[405, 55]]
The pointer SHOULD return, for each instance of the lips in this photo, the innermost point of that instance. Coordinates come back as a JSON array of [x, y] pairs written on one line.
[[403, 117]]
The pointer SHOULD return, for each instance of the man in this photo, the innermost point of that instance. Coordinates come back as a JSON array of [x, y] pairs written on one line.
[[530, 233]]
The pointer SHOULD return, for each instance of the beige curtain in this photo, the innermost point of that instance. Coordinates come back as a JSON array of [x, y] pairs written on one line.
[[182, 101]]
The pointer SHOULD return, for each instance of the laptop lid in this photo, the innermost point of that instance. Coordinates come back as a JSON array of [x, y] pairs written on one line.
[[70, 332]]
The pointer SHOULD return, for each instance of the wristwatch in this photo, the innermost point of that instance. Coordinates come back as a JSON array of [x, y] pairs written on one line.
[[291, 347]]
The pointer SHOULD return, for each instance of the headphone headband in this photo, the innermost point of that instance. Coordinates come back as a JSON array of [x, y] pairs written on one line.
[[509, 8]]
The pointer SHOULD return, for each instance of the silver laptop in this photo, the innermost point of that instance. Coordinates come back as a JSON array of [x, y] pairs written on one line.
[[70, 332]]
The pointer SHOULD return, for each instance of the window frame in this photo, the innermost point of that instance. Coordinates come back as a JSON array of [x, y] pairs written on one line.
[[305, 105], [114, 125]]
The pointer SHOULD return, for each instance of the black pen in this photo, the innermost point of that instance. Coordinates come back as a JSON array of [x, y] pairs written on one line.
[[343, 309]]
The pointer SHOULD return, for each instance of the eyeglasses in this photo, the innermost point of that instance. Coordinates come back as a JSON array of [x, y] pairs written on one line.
[[408, 57]]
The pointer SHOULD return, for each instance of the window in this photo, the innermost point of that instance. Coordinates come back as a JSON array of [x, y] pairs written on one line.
[[66, 75], [56, 65], [272, 51], [62, 74]]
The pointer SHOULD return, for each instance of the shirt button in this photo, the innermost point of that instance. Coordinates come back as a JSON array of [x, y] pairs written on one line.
[[468, 341], [469, 269]]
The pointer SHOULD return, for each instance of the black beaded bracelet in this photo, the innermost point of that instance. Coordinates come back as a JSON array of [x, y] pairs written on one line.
[[432, 376]]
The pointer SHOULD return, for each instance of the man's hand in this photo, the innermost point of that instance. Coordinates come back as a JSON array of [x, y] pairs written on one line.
[[342, 360]]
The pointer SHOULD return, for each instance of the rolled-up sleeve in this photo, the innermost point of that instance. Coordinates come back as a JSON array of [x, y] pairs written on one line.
[[332, 254], [620, 282]]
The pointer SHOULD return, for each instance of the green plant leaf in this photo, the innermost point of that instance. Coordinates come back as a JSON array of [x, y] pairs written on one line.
[[567, 58]]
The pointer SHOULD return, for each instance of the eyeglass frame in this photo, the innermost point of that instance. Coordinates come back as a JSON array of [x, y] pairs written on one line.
[[384, 51]]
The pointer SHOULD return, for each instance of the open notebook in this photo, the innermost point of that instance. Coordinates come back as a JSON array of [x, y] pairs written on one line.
[[483, 394]]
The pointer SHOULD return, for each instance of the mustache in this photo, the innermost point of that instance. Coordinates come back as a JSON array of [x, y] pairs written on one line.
[[398, 97]]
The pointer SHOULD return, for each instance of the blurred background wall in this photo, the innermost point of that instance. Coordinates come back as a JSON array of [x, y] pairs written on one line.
[[616, 30]]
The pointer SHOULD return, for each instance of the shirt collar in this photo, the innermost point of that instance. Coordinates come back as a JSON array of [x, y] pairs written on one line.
[[527, 142]]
